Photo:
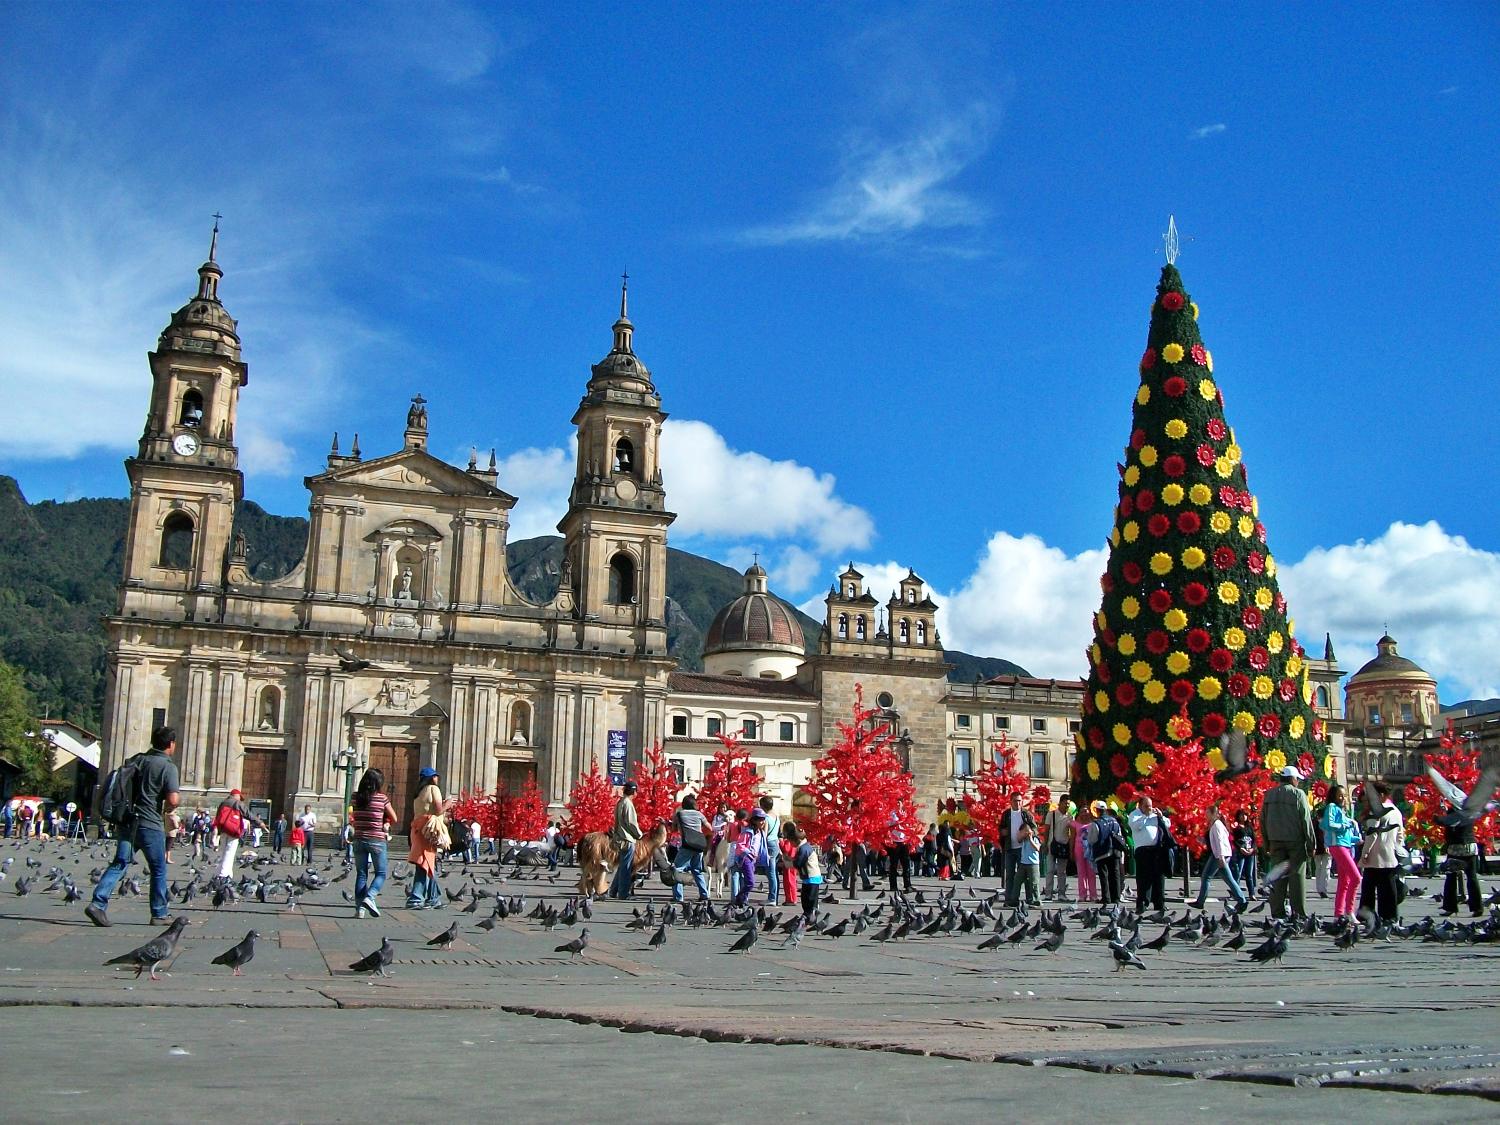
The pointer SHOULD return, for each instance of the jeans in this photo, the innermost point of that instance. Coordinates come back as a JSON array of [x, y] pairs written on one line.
[[773, 881], [690, 861], [1212, 866], [1243, 868], [1057, 875], [810, 894], [1012, 884], [152, 843], [624, 879], [898, 862], [368, 853], [424, 891], [278, 840]]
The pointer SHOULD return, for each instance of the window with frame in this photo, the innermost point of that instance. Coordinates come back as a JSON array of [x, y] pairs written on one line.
[[715, 726], [1038, 726], [751, 729], [1407, 715], [963, 722], [176, 542], [1039, 763], [788, 731], [621, 579], [680, 725], [1002, 722], [963, 761], [1074, 726]]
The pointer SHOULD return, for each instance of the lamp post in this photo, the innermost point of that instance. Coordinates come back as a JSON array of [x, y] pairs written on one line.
[[348, 761]]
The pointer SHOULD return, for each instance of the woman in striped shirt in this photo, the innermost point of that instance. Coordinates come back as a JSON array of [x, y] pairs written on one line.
[[371, 821]]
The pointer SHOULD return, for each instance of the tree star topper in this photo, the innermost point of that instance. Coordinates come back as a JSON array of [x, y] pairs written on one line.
[[1169, 240]]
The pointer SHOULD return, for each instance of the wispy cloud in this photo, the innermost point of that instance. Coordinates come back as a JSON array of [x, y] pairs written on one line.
[[1203, 132]]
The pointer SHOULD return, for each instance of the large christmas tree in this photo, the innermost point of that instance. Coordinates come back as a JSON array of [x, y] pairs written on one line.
[[1192, 637]]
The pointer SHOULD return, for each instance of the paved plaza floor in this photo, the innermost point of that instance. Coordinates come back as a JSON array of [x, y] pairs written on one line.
[[842, 1029]]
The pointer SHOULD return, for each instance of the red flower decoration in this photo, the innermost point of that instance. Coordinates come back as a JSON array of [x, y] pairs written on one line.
[[1096, 736], [1106, 582], [1213, 724], [1296, 644], [1126, 792], [1174, 466], [1287, 689], [1198, 640], [1148, 359], [1160, 601], [1189, 523], [1224, 558], [1183, 691], [1145, 500], [1127, 505], [1118, 765], [1175, 386], [1107, 636], [1147, 730], [1206, 455], [1158, 525], [1320, 790], [1200, 357], [1238, 685], [1125, 693], [1157, 642], [1269, 726], [1229, 496], [1221, 660], [1250, 617], [1171, 300], [1104, 673], [1256, 562], [1260, 530], [1247, 502], [1195, 593], [1259, 658], [1306, 764], [1131, 572], [1216, 429], [1137, 438], [1281, 609]]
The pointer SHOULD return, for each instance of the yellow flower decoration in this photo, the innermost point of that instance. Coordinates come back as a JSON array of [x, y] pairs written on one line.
[[1132, 531], [1223, 466], [1177, 663], [1093, 769], [1255, 505], [1154, 691], [1328, 765], [1234, 638], [1246, 525], [1262, 687], [1147, 455], [1145, 762], [1220, 522], [1176, 429], [1143, 396], [1121, 733], [1161, 563], [1216, 759], [1171, 495], [1100, 620], [1208, 360], [1140, 671], [1172, 353], [1270, 567], [1132, 475], [1206, 389], [1194, 306], [1275, 642], [1209, 687], [1193, 558], [1275, 761], [1200, 494], [1130, 607], [1078, 739], [1244, 722], [1293, 665], [1307, 693], [1229, 593], [1101, 701], [1296, 726], [1175, 620], [1263, 597], [1291, 626], [1126, 644], [1114, 537], [1233, 452]]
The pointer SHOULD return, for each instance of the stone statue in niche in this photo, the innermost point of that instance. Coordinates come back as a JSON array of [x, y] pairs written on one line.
[[403, 584]]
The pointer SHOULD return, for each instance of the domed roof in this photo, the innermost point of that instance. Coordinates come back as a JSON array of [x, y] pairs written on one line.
[[1390, 663], [203, 324], [755, 620]]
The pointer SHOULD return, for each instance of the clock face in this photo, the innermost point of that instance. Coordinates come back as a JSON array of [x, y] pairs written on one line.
[[185, 445]]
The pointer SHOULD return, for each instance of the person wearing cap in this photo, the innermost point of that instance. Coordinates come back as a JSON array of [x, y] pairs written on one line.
[[1286, 828], [231, 819], [429, 834], [1107, 851], [626, 832], [749, 848]]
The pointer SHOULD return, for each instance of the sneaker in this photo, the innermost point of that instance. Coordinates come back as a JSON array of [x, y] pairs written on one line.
[[359, 912], [368, 903], [164, 920], [96, 916]]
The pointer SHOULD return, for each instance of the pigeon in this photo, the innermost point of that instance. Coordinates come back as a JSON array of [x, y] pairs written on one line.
[[487, 923], [23, 887], [1052, 944], [659, 938], [992, 942], [378, 961], [576, 946], [745, 942], [794, 931], [445, 939], [154, 952], [1467, 808], [238, 956], [884, 933], [1124, 958], [348, 661], [1272, 950]]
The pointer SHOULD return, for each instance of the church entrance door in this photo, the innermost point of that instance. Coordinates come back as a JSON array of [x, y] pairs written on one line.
[[264, 776], [399, 762]]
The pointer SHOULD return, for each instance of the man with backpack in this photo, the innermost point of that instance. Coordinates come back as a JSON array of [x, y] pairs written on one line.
[[1107, 850], [134, 796]]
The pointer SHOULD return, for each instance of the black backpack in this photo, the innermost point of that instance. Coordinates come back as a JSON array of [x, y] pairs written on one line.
[[121, 788], [458, 836]]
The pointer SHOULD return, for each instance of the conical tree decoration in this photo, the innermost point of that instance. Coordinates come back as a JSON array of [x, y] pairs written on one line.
[[1192, 635]]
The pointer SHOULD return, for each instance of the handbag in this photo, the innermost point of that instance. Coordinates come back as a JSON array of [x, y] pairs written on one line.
[[1166, 840], [693, 839]]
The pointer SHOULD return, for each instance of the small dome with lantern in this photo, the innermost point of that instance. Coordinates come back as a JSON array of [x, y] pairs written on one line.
[[1391, 691]]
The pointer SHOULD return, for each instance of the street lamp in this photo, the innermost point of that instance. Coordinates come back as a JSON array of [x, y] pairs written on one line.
[[348, 761]]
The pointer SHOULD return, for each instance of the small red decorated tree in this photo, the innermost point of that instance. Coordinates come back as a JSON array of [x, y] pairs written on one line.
[[1245, 793], [996, 781], [729, 780], [1460, 765], [482, 807], [523, 815], [1179, 778], [861, 792], [591, 805], [655, 788]]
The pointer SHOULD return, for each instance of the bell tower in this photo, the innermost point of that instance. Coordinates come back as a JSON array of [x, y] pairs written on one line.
[[184, 479], [616, 525]]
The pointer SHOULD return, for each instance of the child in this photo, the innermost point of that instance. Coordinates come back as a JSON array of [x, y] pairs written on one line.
[[1031, 859], [788, 849], [809, 867], [299, 841], [749, 850]]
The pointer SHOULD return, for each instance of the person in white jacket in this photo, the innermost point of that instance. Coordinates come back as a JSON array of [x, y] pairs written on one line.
[[1216, 860], [1385, 838]]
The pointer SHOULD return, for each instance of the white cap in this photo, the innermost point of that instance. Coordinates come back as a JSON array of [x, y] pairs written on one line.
[[1292, 772]]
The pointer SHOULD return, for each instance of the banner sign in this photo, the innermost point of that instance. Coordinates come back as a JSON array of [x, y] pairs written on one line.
[[618, 742]]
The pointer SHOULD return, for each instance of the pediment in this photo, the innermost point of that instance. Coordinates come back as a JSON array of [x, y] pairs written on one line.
[[411, 470]]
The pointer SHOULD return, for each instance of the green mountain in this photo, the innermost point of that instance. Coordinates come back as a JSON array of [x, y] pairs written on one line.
[[60, 564]]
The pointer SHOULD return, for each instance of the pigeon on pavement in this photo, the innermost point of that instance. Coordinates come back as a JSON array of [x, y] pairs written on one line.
[[378, 961], [576, 946], [154, 952], [237, 957], [445, 939]]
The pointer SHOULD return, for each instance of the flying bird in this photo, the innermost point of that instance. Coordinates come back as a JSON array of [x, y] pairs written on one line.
[[378, 961], [238, 956], [154, 952], [1236, 751], [1467, 808], [348, 661]]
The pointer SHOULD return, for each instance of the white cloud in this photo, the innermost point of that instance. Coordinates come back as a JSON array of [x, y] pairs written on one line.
[[891, 188], [795, 569], [881, 581], [540, 480], [1203, 132], [1439, 597]]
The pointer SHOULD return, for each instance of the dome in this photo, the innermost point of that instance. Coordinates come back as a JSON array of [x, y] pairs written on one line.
[[754, 635], [1390, 663], [203, 324]]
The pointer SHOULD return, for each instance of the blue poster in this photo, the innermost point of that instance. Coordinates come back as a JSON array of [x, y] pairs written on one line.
[[619, 741]]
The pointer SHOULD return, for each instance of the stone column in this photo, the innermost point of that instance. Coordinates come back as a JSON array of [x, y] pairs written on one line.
[[228, 710]]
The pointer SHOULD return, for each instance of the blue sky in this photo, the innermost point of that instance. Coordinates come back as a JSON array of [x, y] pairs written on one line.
[[890, 265]]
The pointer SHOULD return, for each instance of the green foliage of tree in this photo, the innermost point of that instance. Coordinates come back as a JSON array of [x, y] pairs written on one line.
[[19, 741]]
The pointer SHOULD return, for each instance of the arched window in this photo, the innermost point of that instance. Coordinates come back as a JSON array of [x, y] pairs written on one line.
[[520, 723], [625, 457], [621, 579], [1322, 696], [177, 541], [859, 627], [921, 632], [850, 593], [192, 409], [270, 709], [843, 625], [904, 631]]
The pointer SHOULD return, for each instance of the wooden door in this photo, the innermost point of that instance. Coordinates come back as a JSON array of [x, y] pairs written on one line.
[[264, 777], [398, 761], [514, 776]]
